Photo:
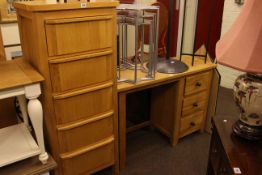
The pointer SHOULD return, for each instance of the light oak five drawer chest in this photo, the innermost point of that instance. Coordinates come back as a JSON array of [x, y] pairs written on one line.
[[73, 46]]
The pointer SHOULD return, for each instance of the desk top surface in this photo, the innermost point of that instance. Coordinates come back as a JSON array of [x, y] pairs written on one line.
[[17, 73], [241, 153], [199, 66]]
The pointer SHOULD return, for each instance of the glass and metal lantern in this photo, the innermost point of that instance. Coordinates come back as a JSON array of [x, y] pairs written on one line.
[[143, 21]]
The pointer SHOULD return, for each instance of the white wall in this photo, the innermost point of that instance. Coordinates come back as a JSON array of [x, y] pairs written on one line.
[[231, 11]]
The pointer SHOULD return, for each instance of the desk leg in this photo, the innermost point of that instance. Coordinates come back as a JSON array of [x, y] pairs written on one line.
[[22, 103], [35, 111], [180, 86], [122, 129]]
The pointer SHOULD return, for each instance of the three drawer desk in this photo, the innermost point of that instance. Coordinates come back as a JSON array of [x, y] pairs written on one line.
[[178, 102]]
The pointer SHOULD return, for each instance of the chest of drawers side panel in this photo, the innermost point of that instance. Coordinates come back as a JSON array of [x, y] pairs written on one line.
[[33, 46]]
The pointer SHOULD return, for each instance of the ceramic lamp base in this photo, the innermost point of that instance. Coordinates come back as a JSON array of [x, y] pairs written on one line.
[[246, 131]]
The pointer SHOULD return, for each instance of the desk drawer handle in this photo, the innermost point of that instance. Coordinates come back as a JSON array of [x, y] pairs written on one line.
[[192, 124], [198, 84], [195, 105]]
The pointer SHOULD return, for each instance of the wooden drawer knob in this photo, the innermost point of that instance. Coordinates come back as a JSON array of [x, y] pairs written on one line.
[[192, 124], [195, 105], [198, 84]]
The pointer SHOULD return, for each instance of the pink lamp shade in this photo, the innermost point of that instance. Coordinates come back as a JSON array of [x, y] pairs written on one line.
[[241, 46]]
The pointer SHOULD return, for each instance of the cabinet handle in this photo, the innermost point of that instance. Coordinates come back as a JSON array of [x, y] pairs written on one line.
[[192, 124], [195, 105], [198, 84]]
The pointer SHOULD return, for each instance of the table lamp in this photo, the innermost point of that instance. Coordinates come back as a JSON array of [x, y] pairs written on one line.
[[241, 48]]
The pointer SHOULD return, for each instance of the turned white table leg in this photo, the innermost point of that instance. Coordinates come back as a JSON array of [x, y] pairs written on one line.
[[22, 103], [35, 112]]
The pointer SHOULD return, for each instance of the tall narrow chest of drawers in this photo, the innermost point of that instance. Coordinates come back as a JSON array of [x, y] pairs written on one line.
[[73, 46]]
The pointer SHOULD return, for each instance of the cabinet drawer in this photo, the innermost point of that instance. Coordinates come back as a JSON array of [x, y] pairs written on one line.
[[74, 35], [191, 123], [197, 83], [67, 74], [83, 104], [90, 159], [85, 132], [194, 103]]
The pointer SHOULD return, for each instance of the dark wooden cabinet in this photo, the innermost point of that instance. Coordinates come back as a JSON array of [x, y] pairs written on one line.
[[231, 155]]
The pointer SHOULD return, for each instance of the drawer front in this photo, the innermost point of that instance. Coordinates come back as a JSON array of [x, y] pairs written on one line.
[[82, 104], [194, 103], [74, 35], [84, 71], [191, 123], [85, 132], [197, 83], [90, 160]]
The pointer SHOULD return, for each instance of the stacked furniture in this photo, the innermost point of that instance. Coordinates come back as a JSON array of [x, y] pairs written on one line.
[[73, 46]]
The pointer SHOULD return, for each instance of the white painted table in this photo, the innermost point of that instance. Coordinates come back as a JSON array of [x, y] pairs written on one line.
[[19, 79]]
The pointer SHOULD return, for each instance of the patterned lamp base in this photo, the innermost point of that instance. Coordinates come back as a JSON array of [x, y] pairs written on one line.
[[248, 97], [246, 131]]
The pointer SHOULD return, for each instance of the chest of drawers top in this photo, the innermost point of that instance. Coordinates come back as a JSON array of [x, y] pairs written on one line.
[[41, 6]]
